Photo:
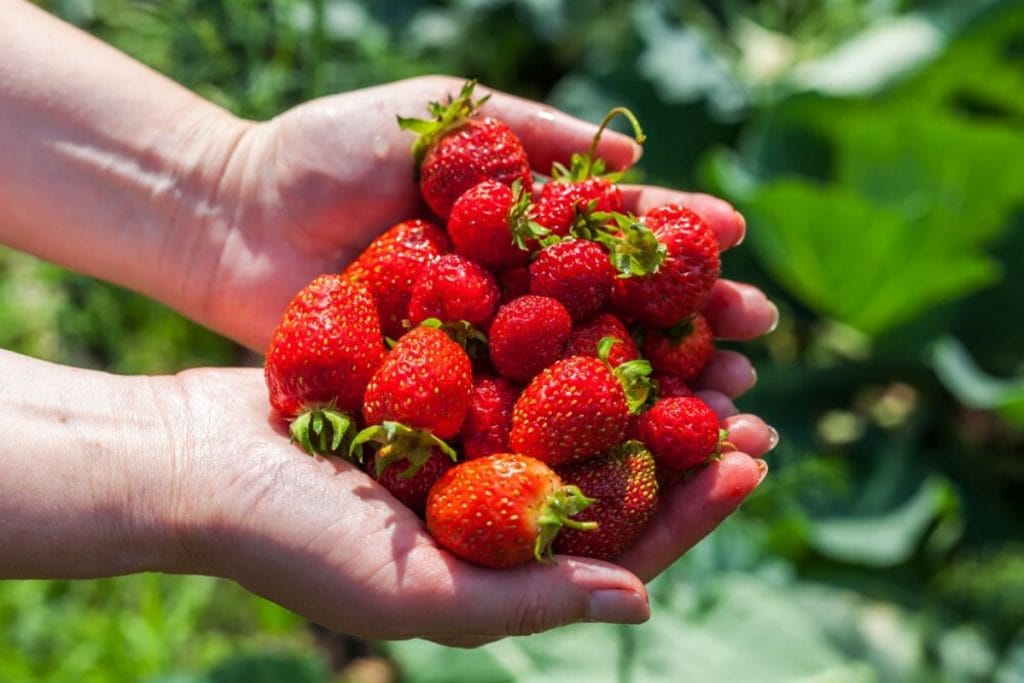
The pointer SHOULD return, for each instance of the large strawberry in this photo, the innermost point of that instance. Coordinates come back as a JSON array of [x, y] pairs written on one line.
[[679, 287], [624, 487], [323, 353], [455, 151], [489, 419], [681, 351], [502, 510], [577, 407], [391, 264], [586, 338], [681, 433], [527, 335], [489, 223], [452, 288], [577, 273]]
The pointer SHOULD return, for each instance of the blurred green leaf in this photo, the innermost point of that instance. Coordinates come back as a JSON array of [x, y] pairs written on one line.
[[974, 388]]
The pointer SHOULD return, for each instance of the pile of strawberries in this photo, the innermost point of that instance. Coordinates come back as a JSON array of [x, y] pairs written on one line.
[[516, 368]]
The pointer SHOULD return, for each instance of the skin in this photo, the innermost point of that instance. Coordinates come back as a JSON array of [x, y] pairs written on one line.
[[112, 170]]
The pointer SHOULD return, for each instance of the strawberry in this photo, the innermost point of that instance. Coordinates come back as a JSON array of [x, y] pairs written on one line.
[[489, 224], [577, 273], [527, 335], [502, 510], [454, 151], [681, 351], [514, 282], [586, 335], [682, 433], [391, 264], [489, 419], [624, 487], [670, 386], [452, 288], [408, 483], [577, 407], [681, 284], [323, 353]]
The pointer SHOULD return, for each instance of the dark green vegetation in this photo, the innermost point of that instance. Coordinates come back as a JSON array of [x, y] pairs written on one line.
[[877, 149]]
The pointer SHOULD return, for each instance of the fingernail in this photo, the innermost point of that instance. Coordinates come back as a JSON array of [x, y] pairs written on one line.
[[638, 151], [618, 607], [773, 438], [763, 467], [775, 318], [743, 227]]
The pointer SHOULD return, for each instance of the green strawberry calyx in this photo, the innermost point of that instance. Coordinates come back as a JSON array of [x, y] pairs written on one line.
[[321, 430], [558, 511], [397, 441], [589, 165], [526, 232], [446, 116], [633, 375], [633, 248]]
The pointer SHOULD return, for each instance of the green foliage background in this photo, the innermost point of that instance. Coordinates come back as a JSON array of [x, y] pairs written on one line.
[[877, 149]]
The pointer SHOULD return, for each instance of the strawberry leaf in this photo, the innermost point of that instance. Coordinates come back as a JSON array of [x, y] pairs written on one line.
[[446, 117], [321, 430]]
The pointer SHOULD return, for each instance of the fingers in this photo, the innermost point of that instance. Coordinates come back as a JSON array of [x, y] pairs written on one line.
[[739, 311], [750, 434], [728, 224], [691, 510], [717, 401], [728, 372]]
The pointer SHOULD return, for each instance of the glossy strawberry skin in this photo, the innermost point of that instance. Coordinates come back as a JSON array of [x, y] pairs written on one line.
[[683, 353], [485, 510], [325, 349], [479, 226], [624, 487], [577, 273], [489, 419], [412, 491], [681, 433], [559, 203], [452, 288], [586, 335], [424, 383], [527, 335], [391, 264], [670, 386], [682, 284], [480, 149], [574, 409]]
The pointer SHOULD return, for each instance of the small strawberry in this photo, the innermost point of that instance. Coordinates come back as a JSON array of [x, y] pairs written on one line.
[[390, 266], [489, 419], [670, 386], [577, 407], [502, 510], [587, 335], [575, 272], [681, 284], [489, 224], [323, 353], [682, 433], [453, 288], [681, 351], [527, 335], [454, 151], [624, 487], [408, 483]]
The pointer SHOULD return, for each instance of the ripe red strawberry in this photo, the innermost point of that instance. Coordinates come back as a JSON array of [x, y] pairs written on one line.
[[680, 286], [390, 266], [454, 151], [515, 282], [670, 386], [682, 433], [424, 383], [586, 336], [681, 351], [489, 224], [527, 335], [576, 408], [577, 273], [501, 510], [452, 288], [624, 487], [323, 353], [408, 483], [489, 419]]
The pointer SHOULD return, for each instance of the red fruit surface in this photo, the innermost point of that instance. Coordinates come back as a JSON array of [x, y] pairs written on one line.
[[575, 272], [481, 226], [574, 409], [586, 335], [682, 352], [325, 349], [528, 334], [670, 386], [424, 383], [561, 202], [514, 283], [390, 266], [489, 419], [412, 490], [624, 487], [452, 288], [489, 511], [480, 149], [681, 433], [680, 287]]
